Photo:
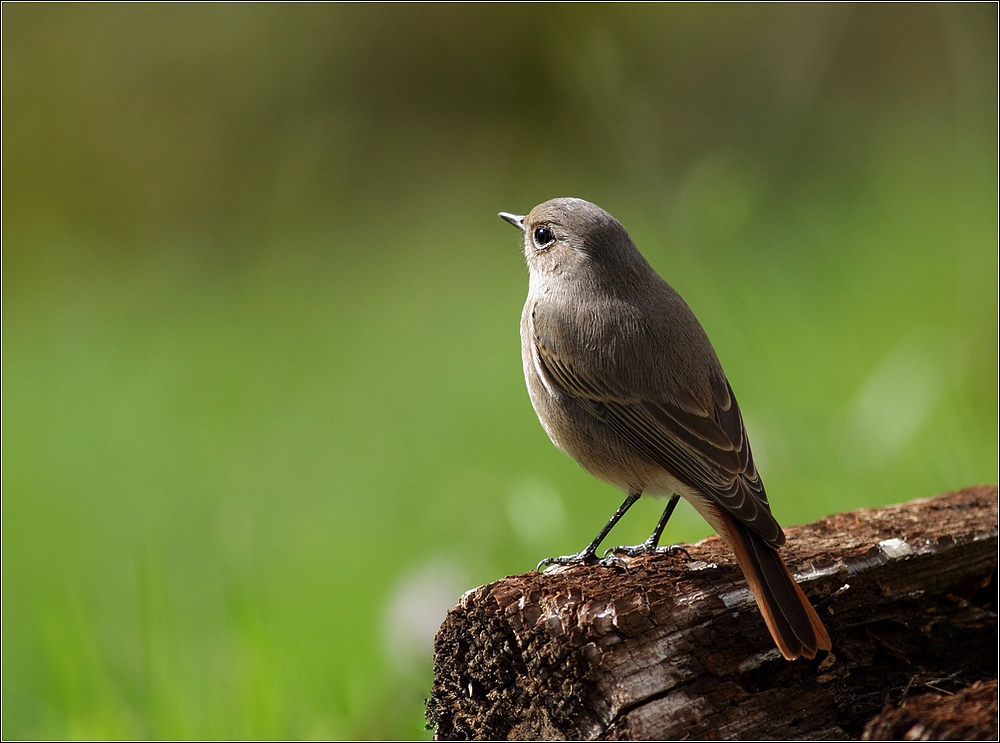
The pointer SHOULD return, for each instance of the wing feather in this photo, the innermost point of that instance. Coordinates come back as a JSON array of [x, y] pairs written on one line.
[[705, 450]]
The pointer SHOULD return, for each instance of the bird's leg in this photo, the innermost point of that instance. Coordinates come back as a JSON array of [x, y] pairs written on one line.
[[588, 556], [651, 545]]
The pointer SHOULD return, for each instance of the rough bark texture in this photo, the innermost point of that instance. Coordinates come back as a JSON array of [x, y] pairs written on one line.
[[968, 714], [677, 649]]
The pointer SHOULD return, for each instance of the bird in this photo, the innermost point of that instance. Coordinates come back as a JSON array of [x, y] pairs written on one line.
[[624, 379]]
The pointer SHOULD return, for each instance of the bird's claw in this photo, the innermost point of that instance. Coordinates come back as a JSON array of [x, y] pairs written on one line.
[[647, 549], [583, 558]]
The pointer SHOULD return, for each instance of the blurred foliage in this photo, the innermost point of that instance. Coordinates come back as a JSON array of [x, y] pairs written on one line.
[[262, 401]]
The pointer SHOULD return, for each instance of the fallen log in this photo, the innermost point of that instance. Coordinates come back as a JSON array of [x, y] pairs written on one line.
[[676, 648]]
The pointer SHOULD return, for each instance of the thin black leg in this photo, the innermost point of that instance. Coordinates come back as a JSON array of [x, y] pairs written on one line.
[[654, 538], [588, 555], [651, 545]]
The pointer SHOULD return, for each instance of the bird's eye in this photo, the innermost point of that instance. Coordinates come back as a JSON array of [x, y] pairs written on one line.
[[543, 237]]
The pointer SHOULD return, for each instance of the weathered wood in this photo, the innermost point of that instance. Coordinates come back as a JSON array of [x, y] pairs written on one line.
[[968, 714], [677, 649]]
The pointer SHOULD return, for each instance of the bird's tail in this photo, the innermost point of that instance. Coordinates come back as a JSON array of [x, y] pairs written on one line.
[[796, 628]]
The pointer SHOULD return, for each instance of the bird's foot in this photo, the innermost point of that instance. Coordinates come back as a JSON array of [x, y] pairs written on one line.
[[586, 557], [647, 548]]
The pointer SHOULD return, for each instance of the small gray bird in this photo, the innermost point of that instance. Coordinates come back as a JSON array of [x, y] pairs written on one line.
[[625, 381]]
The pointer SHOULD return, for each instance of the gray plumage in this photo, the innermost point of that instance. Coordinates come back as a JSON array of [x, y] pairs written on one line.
[[625, 380]]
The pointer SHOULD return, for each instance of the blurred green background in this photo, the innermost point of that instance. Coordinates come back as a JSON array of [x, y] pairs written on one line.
[[263, 412]]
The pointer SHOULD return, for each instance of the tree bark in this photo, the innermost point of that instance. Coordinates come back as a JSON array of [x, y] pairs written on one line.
[[676, 648]]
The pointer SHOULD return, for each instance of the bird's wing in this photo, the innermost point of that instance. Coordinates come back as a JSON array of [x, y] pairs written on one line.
[[707, 450]]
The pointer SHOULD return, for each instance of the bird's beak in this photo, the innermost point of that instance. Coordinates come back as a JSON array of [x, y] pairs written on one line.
[[515, 219]]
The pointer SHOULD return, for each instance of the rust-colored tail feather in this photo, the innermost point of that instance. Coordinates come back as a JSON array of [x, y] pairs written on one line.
[[796, 628]]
